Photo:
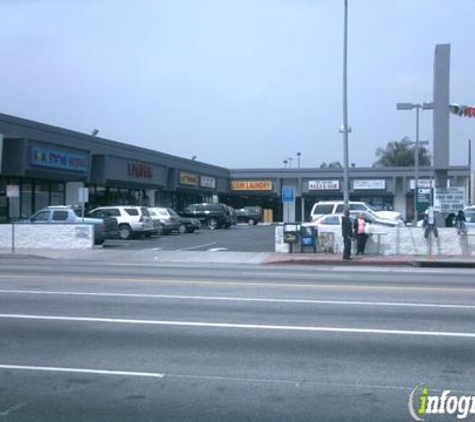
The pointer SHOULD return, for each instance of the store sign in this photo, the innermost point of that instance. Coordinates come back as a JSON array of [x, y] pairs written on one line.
[[13, 191], [424, 198], [188, 179], [288, 194], [422, 183], [369, 184], [449, 199], [139, 170], [251, 185], [323, 185], [59, 160], [208, 182]]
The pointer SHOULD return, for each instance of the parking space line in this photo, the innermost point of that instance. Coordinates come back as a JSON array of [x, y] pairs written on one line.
[[196, 247]]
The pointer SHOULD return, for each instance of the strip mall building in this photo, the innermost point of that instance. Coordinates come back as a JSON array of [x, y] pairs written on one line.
[[50, 164]]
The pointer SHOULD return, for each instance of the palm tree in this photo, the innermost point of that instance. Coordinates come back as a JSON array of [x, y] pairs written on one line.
[[332, 165], [401, 154]]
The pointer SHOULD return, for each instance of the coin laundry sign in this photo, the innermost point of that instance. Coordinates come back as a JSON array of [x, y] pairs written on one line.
[[251, 185]]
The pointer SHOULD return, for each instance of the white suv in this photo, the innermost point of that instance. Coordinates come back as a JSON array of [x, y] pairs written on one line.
[[336, 207], [133, 221]]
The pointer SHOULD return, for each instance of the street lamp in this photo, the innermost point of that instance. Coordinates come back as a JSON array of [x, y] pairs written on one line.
[[418, 107], [345, 128], [298, 158], [285, 163]]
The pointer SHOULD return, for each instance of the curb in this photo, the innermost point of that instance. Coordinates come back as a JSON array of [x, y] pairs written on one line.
[[341, 263]]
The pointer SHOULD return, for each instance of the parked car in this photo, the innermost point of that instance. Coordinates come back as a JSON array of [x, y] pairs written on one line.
[[133, 221], [371, 218], [214, 216], [189, 225], [336, 207], [167, 217], [469, 217], [334, 220], [249, 215], [65, 214]]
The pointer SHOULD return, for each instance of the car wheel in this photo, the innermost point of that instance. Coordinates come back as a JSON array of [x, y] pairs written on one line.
[[212, 224], [190, 230], [251, 222], [182, 229], [125, 232], [148, 235]]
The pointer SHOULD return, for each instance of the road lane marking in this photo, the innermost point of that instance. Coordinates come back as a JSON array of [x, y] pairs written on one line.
[[203, 324], [196, 247], [241, 299], [82, 371], [365, 287]]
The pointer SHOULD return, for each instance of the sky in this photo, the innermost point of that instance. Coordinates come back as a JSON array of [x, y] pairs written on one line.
[[236, 83]]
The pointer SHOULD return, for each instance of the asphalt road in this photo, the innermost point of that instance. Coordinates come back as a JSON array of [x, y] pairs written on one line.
[[156, 343], [239, 238]]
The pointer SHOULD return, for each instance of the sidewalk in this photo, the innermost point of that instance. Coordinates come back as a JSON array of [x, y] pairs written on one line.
[[237, 258]]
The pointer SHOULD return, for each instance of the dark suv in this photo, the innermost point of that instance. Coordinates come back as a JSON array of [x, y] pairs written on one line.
[[214, 216]]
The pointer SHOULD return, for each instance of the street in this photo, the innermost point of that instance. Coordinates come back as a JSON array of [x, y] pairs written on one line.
[[107, 342]]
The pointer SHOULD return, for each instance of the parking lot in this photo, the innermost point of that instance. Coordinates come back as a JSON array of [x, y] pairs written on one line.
[[239, 238]]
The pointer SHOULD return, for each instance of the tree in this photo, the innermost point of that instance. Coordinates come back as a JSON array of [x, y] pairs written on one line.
[[332, 165], [401, 154]]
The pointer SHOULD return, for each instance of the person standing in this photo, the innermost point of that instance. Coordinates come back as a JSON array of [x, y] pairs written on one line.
[[361, 236], [429, 223], [347, 233]]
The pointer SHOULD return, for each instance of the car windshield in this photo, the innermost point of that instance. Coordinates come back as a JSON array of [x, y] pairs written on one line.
[[172, 212]]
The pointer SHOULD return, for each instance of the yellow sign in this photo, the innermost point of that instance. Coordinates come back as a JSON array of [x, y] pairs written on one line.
[[251, 185], [188, 179]]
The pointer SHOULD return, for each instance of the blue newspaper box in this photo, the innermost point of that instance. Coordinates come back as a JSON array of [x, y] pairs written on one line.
[[308, 237]]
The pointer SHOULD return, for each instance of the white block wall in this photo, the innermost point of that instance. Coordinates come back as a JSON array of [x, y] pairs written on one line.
[[407, 241], [47, 236]]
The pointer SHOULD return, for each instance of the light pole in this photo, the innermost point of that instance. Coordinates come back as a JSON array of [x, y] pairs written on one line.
[[285, 163], [418, 107], [345, 128], [298, 158], [290, 159]]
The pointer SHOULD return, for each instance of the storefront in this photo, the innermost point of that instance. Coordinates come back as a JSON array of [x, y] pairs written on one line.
[[42, 176], [50, 164]]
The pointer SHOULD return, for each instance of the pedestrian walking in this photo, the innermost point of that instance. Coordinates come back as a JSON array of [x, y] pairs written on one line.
[[361, 236], [347, 233], [460, 222]]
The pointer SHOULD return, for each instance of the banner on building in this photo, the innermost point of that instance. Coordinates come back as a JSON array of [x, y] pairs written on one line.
[[323, 185], [449, 199], [371, 184], [188, 179], [208, 182]]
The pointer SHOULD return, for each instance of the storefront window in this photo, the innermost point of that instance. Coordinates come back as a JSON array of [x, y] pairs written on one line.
[[41, 195], [3, 201], [57, 194], [26, 200]]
